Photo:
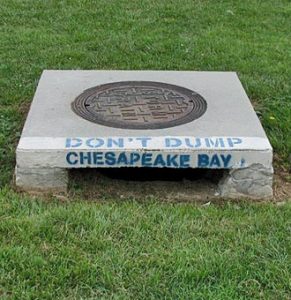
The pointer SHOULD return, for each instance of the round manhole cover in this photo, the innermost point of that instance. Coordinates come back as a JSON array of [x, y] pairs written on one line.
[[139, 105]]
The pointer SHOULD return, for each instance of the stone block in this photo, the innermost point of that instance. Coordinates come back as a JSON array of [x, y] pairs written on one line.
[[41, 179]]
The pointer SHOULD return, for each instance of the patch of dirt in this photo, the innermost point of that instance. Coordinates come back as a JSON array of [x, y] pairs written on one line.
[[23, 108], [282, 181], [169, 185], [282, 188]]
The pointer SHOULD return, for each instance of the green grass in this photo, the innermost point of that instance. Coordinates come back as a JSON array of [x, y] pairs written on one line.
[[131, 250], [250, 37], [86, 250]]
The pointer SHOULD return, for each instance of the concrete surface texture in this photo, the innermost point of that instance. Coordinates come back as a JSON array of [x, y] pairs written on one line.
[[227, 136], [229, 111]]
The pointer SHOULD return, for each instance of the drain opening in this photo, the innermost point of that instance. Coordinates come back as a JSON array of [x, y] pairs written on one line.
[[140, 183], [161, 174], [139, 105]]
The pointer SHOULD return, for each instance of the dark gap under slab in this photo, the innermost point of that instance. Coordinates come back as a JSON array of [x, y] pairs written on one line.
[[143, 183]]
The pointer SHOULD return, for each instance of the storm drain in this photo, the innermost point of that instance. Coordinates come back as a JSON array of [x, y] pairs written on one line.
[[139, 105], [178, 127]]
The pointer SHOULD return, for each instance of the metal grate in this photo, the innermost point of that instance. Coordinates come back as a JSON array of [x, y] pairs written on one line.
[[139, 105]]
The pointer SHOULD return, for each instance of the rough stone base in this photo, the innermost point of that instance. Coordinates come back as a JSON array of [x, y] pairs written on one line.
[[252, 182], [41, 179]]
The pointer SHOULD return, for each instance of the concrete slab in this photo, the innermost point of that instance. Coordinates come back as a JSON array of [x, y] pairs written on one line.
[[227, 135]]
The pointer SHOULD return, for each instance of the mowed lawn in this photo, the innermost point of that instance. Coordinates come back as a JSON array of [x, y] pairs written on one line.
[[124, 249]]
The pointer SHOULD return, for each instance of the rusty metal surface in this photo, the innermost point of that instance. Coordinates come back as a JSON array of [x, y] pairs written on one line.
[[139, 105]]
